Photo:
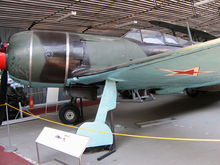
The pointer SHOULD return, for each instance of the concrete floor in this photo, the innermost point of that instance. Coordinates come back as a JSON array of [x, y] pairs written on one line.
[[191, 118]]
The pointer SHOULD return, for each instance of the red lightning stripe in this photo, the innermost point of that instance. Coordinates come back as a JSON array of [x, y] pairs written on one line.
[[190, 72]]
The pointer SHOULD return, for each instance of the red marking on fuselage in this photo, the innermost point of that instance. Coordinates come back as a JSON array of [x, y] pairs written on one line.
[[191, 72]]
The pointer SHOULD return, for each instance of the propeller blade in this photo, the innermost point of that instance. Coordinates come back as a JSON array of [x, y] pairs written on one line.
[[3, 94]]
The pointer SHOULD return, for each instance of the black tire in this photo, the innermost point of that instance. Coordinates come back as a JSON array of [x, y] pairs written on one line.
[[191, 92], [69, 113]]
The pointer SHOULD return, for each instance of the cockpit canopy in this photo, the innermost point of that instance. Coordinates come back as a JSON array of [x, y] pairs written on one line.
[[153, 37]]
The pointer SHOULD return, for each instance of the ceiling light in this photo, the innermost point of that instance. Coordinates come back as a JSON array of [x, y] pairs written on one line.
[[173, 0], [127, 23], [66, 16], [203, 2]]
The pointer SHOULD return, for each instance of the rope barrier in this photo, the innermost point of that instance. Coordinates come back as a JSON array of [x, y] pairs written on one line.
[[35, 93], [117, 134]]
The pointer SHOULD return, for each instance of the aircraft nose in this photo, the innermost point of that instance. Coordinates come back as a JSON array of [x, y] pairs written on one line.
[[18, 55], [45, 57]]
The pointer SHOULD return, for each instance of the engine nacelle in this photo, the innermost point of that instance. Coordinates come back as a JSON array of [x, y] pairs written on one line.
[[45, 56]]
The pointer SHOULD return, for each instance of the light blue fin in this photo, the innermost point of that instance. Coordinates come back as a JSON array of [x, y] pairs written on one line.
[[108, 102]]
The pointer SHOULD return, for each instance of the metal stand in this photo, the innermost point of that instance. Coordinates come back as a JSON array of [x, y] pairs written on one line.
[[60, 141], [38, 155], [22, 117], [20, 107], [112, 148], [79, 101], [81, 110], [137, 96], [80, 161], [9, 148], [46, 109]]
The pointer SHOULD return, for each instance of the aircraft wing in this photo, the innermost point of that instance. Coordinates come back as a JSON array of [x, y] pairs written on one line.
[[170, 72]]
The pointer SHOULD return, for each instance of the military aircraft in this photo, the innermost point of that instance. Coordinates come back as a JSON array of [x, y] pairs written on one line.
[[82, 63]]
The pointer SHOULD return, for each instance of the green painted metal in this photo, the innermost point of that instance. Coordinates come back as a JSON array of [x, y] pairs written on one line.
[[108, 102], [110, 51], [38, 58], [118, 59], [18, 57], [145, 73], [37, 84]]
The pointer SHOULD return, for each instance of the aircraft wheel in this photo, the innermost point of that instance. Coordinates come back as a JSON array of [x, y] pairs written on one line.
[[69, 113], [191, 92]]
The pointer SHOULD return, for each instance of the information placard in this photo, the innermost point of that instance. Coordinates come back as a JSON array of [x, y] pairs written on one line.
[[65, 142], [52, 95]]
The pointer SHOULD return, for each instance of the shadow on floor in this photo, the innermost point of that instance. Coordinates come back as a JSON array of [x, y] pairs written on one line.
[[179, 105]]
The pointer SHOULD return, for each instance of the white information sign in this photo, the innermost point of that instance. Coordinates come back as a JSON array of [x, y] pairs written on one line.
[[52, 95], [65, 142]]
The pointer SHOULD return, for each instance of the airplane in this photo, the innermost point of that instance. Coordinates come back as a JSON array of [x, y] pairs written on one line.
[[83, 64]]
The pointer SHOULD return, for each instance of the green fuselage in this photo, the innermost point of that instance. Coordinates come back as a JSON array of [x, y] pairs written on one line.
[[45, 58]]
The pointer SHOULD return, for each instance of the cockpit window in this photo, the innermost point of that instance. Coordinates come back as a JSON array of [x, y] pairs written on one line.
[[134, 34], [182, 41], [152, 40], [153, 37], [170, 39]]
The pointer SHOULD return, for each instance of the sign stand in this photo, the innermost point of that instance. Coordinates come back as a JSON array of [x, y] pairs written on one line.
[[52, 97], [10, 148], [38, 155], [65, 142], [22, 118]]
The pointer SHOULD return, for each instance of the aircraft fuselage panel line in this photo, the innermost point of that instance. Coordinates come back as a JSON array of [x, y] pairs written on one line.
[[30, 59]]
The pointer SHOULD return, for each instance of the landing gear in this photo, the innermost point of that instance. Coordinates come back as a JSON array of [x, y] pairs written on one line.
[[192, 92], [99, 137], [70, 113], [138, 96]]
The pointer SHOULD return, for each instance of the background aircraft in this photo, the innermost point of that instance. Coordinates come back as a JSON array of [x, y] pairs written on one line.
[[83, 64], [197, 35]]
